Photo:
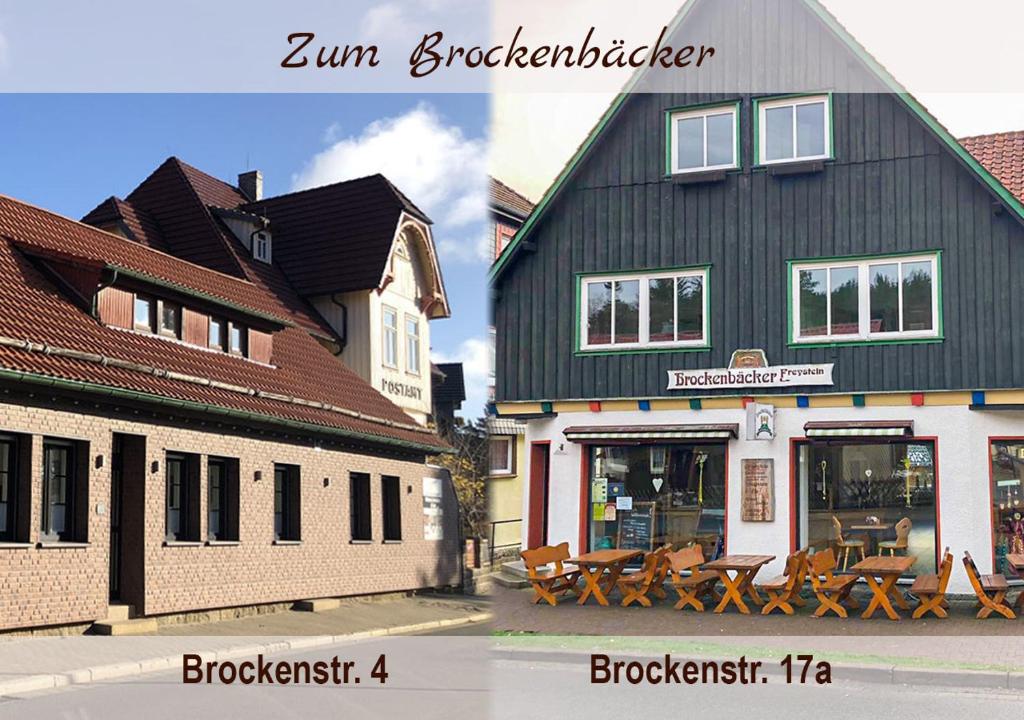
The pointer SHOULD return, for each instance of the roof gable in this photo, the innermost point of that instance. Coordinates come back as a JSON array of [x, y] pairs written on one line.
[[876, 76]]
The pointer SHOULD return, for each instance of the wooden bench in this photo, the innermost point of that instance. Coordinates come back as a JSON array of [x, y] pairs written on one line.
[[783, 591], [549, 585], [636, 586], [990, 589], [690, 588], [832, 591], [931, 589]]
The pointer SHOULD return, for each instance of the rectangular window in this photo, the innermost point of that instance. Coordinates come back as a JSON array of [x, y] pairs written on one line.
[[218, 334], [222, 499], [143, 313], [1007, 472], [261, 247], [391, 494], [502, 455], [390, 339], [287, 502], [412, 344], [359, 506], [649, 310], [792, 129], [60, 492], [170, 319], [703, 139], [238, 339], [8, 488], [678, 493], [182, 501], [866, 299]]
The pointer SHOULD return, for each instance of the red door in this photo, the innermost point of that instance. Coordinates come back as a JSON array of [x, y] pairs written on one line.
[[537, 528]]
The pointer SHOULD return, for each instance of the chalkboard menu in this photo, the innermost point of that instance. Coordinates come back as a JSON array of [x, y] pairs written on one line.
[[636, 528]]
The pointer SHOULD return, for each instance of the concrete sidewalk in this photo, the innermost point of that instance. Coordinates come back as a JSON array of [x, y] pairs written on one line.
[[32, 664]]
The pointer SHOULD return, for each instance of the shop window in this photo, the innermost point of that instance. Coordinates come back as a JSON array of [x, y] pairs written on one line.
[[65, 491], [412, 344], [644, 311], [182, 497], [287, 503], [868, 487], [703, 139], [791, 129], [390, 338], [222, 499], [15, 487], [644, 496], [391, 494], [1007, 469], [501, 455], [359, 506], [866, 299]]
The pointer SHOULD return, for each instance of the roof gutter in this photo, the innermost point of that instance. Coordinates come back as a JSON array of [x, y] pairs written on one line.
[[241, 415]]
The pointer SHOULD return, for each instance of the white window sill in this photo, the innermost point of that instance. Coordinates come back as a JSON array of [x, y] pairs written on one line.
[[222, 543], [392, 542], [15, 545], [287, 542], [360, 542], [182, 543], [57, 545], [501, 475]]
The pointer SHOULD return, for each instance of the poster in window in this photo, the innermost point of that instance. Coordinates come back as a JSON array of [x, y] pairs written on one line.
[[758, 487], [433, 511]]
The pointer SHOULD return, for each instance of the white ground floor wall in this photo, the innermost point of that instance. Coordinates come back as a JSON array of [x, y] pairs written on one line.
[[962, 452]]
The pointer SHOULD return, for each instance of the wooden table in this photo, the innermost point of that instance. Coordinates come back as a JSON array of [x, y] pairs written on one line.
[[592, 567], [869, 529], [1016, 561], [889, 569], [745, 567]]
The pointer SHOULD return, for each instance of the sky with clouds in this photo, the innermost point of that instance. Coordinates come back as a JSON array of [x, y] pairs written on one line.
[[66, 153]]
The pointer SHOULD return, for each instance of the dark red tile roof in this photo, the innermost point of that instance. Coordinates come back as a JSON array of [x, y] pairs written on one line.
[[505, 198], [1002, 154], [33, 309], [140, 226], [348, 227]]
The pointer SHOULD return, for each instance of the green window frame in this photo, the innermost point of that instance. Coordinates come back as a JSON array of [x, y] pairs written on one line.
[[762, 105], [868, 328], [677, 276], [672, 118]]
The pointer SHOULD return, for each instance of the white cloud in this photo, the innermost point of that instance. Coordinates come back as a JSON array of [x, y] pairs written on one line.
[[385, 19], [475, 356], [432, 162]]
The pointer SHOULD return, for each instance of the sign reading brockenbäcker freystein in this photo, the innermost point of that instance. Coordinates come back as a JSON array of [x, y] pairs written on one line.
[[748, 369]]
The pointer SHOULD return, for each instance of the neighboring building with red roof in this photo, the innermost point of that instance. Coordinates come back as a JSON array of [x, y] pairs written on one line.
[[186, 425]]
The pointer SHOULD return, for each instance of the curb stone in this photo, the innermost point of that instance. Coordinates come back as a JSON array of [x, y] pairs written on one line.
[[85, 676], [884, 674]]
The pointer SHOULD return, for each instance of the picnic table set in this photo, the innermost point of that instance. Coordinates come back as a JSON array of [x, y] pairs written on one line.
[[555, 574]]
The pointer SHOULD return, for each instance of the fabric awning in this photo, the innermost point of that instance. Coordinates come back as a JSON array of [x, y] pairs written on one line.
[[652, 432], [860, 428]]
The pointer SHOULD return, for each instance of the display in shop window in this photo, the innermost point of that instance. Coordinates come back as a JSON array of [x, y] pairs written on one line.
[[1007, 463]]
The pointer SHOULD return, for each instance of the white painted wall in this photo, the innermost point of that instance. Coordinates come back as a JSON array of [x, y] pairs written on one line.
[[963, 472]]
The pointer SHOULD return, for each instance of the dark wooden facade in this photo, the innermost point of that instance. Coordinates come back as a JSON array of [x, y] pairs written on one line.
[[894, 186]]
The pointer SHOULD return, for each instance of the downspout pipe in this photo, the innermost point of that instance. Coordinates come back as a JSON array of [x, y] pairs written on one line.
[[104, 283]]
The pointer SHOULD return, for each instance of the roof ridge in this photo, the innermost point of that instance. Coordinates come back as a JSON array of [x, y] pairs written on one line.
[[990, 135], [316, 187]]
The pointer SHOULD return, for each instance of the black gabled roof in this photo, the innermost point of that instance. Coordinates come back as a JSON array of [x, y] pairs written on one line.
[[348, 227], [451, 386]]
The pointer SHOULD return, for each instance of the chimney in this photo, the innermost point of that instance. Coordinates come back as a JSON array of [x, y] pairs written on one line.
[[251, 185]]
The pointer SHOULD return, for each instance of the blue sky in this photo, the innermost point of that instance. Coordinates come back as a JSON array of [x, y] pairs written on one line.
[[68, 152]]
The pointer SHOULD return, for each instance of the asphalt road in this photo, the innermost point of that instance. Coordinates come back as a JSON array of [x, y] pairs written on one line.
[[562, 689], [442, 677]]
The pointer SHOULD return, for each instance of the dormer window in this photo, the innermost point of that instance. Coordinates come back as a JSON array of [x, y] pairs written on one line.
[[237, 337], [170, 319], [218, 334], [261, 246], [143, 313]]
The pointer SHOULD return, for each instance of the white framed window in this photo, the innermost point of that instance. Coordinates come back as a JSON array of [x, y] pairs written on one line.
[[656, 309], [703, 139], [501, 455], [261, 246], [143, 310], [864, 299], [412, 344], [390, 336], [797, 128]]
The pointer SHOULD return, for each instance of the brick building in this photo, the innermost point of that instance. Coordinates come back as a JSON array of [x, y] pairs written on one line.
[[178, 431]]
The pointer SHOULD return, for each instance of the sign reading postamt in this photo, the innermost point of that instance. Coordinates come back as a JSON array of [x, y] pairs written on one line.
[[750, 377]]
